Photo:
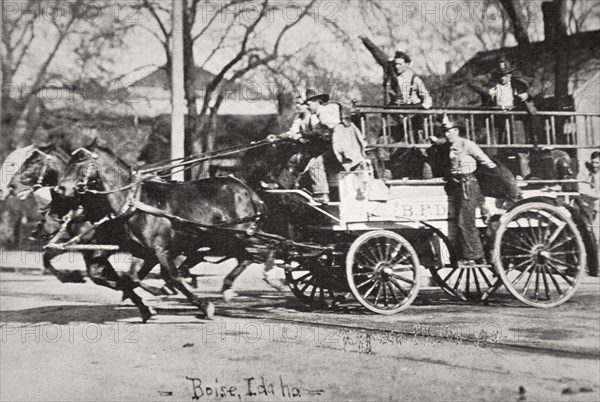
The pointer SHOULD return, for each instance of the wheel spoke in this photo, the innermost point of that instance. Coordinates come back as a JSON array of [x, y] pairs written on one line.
[[487, 281], [370, 290], [468, 283], [403, 257], [476, 281], [520, 264], [537, 282], [531, 229], [556, 285], [371, 279], [314, 289], [564, 264], [306, 285], [462, 271], [516, 247], [387, 249], [558, 271], [516, 256], [527, 234], [559, 229], [367, 258], [565, 241], [527, 283], [514, 282], [565, 253], [379, 286], [445, 280], [300, 279], [393, 281], [396, 276], [546, 288], [391, 290], [379, 249], [384, 293], [540, 234]]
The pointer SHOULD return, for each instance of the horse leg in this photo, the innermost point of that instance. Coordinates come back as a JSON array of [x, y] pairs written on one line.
[[102, 273], [189, 263], [268, 276], [66, 276], [143, 271], [226, 290], [174, 279]]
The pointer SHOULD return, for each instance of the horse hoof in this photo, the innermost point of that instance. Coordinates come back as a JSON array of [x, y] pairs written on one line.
[[147, 314], [228, 295], [208, 309], [275, 283], [70, 277]]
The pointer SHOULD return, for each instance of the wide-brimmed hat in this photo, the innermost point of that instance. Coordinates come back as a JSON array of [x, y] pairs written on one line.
[[504, 67], [401, 55], [313, 95]]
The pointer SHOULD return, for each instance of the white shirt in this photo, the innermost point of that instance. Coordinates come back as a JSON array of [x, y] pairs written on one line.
[[504, 96]]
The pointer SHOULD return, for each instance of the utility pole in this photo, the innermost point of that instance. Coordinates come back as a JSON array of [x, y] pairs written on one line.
[[177, 91]]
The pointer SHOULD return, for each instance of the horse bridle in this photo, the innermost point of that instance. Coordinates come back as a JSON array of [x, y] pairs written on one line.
[[82, 186], [40, 179]]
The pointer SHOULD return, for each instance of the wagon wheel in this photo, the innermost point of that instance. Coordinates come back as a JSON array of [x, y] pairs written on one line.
[[382, 269], [539, 254], [467, 283], [313, 283]]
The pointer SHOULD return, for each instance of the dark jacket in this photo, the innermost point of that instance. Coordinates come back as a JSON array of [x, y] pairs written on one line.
[[519, 86]]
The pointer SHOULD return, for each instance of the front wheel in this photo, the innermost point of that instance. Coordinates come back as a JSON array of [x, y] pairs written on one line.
[[382, 269], [539, 254]]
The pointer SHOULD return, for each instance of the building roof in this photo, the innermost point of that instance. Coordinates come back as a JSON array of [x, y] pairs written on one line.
[[537, 63], [159, 79]]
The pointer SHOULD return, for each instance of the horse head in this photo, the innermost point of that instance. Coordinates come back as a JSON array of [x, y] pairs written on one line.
[[94, 168], [270, 165], [42, 168]]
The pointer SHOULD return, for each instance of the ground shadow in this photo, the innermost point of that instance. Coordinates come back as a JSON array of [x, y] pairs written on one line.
[[63, 315]]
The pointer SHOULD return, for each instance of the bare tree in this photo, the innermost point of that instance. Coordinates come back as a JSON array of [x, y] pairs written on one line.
[[515, 11], [53, 26], [244, 34]]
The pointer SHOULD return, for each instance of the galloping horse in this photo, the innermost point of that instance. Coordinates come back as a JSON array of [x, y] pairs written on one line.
[[157, 221], [41, 170]]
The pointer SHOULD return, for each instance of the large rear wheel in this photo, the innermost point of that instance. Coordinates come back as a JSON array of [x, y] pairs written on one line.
[[539, 254]]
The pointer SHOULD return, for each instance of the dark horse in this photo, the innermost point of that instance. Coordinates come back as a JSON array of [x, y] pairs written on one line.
[[158, 221], [41, 170]]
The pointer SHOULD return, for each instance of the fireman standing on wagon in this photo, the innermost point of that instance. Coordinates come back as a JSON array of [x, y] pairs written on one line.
[[464, 189]]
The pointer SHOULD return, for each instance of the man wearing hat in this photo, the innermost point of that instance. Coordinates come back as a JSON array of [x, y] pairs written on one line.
[[509, 91], [464, 156], [406, 89]]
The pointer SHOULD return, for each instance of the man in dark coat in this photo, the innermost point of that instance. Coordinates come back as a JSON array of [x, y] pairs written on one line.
[[508, 91]]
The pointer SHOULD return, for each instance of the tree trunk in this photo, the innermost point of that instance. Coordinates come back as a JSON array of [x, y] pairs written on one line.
[[514, 9]]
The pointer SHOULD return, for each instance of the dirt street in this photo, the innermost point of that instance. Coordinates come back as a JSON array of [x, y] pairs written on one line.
[[78, 342]]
